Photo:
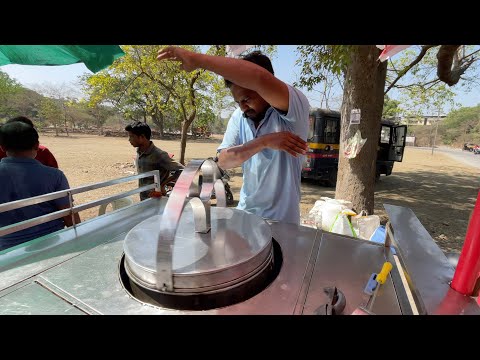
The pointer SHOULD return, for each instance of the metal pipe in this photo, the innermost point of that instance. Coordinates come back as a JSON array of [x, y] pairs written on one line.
[[62, 193], [468, 268], [436, 130], [17, 204]]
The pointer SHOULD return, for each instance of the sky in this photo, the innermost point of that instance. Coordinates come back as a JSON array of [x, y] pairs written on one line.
[[36, 77]]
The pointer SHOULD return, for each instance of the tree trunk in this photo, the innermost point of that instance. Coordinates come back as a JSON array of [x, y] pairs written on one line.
[[66, 128], [363, 89], [158, 121], [183, 140], [186, 123], [65, 118], [56, 130]]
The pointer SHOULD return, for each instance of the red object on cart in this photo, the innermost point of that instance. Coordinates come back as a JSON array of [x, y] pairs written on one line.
[[468, 268]]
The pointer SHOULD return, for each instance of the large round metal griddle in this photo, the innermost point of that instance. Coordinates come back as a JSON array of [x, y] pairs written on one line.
[[215, 255]]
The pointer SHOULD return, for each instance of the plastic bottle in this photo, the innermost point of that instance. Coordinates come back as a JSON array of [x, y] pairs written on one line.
[[365, 225]]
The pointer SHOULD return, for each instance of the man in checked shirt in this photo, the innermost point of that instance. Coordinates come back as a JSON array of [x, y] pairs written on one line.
[[149, 157]]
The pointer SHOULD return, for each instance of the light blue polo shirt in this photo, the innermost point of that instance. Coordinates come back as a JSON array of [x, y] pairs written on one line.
[[271, 178], [21, 178]]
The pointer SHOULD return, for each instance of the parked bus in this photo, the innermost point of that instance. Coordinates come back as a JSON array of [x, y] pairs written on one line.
[[321, 162]]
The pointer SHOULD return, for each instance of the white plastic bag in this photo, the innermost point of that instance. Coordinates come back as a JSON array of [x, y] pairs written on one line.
[[354, 145], [323, 213], [329, 213], [341, 224]]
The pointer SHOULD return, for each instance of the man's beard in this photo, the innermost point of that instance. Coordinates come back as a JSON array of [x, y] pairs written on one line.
[[257, 117]]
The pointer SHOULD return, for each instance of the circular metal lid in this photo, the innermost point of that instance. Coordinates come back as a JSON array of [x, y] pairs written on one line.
[[237, 245]]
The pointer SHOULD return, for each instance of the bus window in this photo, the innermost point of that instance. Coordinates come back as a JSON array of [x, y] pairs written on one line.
[[385, 135], [331, 126]]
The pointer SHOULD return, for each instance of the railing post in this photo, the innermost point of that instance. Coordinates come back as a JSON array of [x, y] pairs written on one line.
[[70, 200]]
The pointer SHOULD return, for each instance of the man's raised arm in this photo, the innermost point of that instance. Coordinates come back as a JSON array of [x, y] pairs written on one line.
[[240, 72]]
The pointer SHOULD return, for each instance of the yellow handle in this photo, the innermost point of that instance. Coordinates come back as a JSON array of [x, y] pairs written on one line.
[[382, 276]]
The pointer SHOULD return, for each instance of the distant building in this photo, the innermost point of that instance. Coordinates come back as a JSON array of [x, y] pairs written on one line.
[[410, 140], [422, 120]]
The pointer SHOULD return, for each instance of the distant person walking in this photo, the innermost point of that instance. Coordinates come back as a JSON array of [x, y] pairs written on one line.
[[21, 177], [149, 157], [43, 154]]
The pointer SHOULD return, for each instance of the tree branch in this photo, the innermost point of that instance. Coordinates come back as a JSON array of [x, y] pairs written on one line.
[[126, 88], [420, 56], [165, 86], [192, 95], [449, 68], [433, 82], [466, 56], [419, 85], [143, 72]]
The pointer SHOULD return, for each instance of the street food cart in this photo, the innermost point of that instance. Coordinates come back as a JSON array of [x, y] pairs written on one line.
[[183, 254]]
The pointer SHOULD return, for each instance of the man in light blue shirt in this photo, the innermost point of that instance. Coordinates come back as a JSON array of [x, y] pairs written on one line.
[[266, 135]]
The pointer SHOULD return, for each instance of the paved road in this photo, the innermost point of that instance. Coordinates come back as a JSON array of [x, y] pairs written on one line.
[[466, 157]]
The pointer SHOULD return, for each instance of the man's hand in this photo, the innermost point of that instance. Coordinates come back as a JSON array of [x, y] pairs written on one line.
[[157, 194], [187, 58], [285, 141]]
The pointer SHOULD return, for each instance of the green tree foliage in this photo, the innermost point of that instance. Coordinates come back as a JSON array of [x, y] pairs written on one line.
[[142, 87], [27, 103], [318, 62], [79, 114], [9, 88], [413, 75], [462, 125], [391, 108], [219, 125], [55, 108], [51, 113], [100, 113]]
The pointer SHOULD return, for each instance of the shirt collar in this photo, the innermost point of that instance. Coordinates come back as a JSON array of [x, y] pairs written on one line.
[[146, 152], [11, 159], [267, 115]]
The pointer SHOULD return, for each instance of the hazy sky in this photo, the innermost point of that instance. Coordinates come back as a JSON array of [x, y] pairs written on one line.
[[283, 63]]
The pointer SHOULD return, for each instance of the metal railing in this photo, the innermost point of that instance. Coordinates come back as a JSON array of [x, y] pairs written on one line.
[[73, 209]]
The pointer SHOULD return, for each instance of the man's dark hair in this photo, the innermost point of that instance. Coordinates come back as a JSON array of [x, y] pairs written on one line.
[[140, 128], [256, 57], [22, 119], [18, 136]]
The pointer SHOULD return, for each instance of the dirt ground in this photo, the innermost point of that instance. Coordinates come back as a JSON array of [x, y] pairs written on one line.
[[440, 191]]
